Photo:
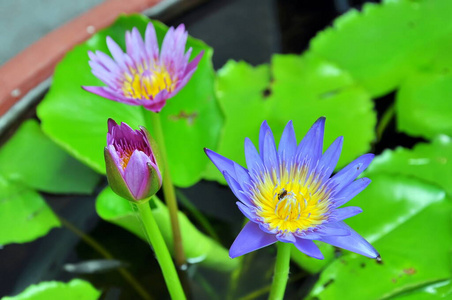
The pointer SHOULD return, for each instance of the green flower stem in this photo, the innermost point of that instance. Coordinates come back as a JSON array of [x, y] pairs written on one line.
[[169, 191], [105, 253], [161, 251], [281, 271]]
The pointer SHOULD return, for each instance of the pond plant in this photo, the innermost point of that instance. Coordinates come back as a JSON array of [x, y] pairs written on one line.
[[170, 108]]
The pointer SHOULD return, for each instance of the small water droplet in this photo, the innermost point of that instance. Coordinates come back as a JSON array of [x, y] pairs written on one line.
[[91, 29], [15, 93]]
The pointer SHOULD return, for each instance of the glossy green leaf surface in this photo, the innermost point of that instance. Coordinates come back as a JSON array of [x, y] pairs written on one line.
[[77, 120], [431, 162], [24, 215], [408, 222], [307, 87], [438, 290], [310, 264], [303, 88], [32, 159], [423, 104], [198, 247], [241, 94], [75, 289], [382, 44]]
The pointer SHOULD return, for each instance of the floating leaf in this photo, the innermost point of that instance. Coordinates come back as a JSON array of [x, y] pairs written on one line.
[[77, 120], [384, 42], [198, 247], [303, 89], [408, 222], [423, 103], [33, 159], [24, 215], [310, 264], [438, 290], [431, 162], [307, 87], [241, 92], [76, 289]]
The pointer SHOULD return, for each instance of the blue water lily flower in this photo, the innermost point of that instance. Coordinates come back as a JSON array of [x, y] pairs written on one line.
[[288, 193]]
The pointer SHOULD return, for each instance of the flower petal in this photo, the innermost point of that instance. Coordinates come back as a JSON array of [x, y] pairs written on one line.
[[104, 61], [243, 178], [287, 144], [222, 163], [353, 242], [285, 237], [269, 153], [158, 102], [311, 146], [150, 42], [331, 229], [346, 212], [329, 159], [136, 174], [350, 191], [262, 133], [173, 47], [109, 94], [194, 63], [135, 47], [309, 248], [345, 176], [253, 159], [108, 78], [246, 211], [111, 124], [124, 132], [249, 239], [117, 53], [114, 174], [236, 189]]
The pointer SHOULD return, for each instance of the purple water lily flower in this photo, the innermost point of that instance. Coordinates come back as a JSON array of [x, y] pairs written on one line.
[[288, 193], [132, 167], [142, 76]]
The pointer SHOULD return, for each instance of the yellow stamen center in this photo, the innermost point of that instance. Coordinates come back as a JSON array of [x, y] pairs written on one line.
[[146, 83], [125, 157], [295, 201]]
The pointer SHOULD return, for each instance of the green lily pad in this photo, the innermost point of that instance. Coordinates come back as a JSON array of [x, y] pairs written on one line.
[[384, 42], [24, 215], [307, 87], [198, 247], [423, 103], [77, 120], [303, 89], [408, 222], [437, 290], [310, 264], [240, 92], [75, 289], [431, 162], [32, 159]]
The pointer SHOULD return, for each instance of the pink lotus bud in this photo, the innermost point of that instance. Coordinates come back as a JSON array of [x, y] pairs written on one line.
[[130, 158]]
